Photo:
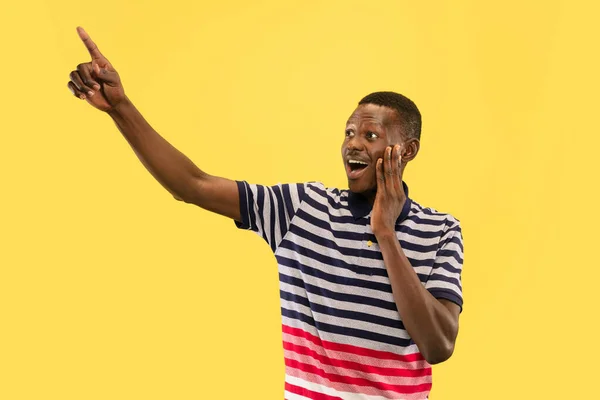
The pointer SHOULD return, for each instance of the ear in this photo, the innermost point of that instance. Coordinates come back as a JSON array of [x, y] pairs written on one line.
[[410, 150]]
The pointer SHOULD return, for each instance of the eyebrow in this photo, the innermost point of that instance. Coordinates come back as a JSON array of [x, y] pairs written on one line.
[[352, 121]]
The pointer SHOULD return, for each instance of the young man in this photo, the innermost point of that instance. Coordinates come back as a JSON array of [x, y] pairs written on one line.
[[370, 281]]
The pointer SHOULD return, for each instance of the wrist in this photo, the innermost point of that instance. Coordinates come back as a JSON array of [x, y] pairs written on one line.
[[384, 234], [121, 109]]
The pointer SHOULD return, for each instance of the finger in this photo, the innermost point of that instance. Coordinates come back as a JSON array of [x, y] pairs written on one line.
[[391, 173], [105, 75], [89, 44], [78, 82], [396, 162], [85, 72], [400, 155], [75, 91], [395, 153], [388, 160], [380, 175]]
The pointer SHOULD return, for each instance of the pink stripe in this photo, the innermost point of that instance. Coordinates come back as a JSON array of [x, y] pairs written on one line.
[[361, 363], [356, 381], [347, 348], [374, 380], [346, 388]]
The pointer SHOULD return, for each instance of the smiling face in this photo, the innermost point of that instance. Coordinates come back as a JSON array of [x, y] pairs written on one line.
[[369, 130]]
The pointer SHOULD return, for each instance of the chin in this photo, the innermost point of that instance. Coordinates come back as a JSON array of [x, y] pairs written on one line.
[[360, 187]]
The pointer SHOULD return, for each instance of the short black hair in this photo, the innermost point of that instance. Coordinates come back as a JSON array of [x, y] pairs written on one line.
[[408, 113]]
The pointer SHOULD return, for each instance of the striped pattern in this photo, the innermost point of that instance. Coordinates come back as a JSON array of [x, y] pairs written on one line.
[[343, 337]]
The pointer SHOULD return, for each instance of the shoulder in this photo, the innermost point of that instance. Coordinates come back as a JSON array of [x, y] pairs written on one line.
[[320, 189], [431, 216]]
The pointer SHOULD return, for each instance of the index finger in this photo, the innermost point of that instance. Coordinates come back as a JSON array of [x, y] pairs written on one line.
[[89, 44]]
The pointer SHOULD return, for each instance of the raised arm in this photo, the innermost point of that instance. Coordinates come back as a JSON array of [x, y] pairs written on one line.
[[99, 84]]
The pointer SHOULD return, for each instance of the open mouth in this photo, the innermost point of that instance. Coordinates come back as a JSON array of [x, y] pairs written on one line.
[[355, 168]]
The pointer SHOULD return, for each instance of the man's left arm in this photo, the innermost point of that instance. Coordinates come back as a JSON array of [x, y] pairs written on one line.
[[432, 323]]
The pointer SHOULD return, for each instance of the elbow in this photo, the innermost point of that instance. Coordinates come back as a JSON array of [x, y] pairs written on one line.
[[185, 199], [439, 353]]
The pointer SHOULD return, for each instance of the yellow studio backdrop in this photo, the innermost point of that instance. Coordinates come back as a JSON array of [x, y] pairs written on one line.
[[110, 289]]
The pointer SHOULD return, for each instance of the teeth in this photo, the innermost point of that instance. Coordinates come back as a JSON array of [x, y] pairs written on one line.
[[357, 162]]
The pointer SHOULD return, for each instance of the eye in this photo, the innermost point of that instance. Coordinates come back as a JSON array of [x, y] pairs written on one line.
[[349, 133], [372, 135]]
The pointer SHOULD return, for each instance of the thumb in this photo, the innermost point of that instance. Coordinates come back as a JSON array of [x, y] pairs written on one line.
[[111, 78]]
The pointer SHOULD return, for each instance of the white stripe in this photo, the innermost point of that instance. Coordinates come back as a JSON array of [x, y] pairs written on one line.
[[257, 216], [294, 396], [341, 305], [351, 340], [333, 270], [336, 287], [445, 272], [435, 284], [346, 322], [353, 243], [315, 387]]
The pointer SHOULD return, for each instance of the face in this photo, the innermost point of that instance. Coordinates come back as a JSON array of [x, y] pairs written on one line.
[[369, 130]]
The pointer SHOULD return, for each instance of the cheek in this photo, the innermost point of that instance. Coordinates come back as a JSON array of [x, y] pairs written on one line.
[[378, 153]]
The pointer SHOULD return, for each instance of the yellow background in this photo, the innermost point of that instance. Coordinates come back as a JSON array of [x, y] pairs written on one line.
[[110, 289]]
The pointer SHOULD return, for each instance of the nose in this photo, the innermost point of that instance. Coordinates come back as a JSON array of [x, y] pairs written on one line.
[[355, 143]]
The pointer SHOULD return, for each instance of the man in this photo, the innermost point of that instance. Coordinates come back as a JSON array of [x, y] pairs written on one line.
[[369, 279]]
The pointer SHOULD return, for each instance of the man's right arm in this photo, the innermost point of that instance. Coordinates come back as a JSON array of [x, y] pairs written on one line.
[[99, 84], [172, 169]]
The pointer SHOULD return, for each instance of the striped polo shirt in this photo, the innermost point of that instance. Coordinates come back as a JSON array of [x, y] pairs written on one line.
[[343, 337]]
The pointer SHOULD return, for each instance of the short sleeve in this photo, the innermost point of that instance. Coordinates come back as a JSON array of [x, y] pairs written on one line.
[[445, 278], [268, 210]]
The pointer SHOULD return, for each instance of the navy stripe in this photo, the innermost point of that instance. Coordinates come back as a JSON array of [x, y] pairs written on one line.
[[347, 251], [337, 312], [431, 212], [251, 213], [447, 266], [334, 262], [353, 235], [450, 253], [349, 219], [283, 221], [420, 234], [456, 240], [244, 206], [346, 331], [324, 224], [327, 259], [260, 198], [301, 193], [424, 221], [444, 278], [334, 201], [273, 241], [348, 298], [448, 295], [287, 197], [356, 251], [337, 279]]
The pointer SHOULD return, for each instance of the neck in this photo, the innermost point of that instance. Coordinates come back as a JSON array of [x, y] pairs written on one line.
[[370, 195]]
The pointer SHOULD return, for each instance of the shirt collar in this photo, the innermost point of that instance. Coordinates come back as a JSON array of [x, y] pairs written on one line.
[[360, 206]]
